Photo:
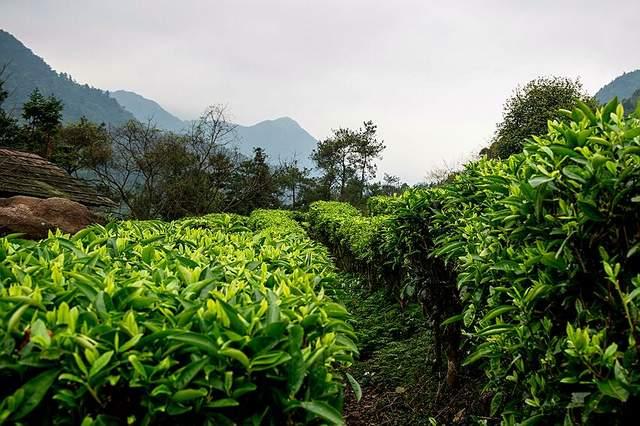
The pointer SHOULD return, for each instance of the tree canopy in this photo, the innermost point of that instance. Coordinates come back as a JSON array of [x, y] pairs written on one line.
[[529, 109]]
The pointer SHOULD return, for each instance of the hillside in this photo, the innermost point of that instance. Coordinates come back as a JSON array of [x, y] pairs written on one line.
[[144, 109], [631, 103], [282, 138], [26, 71], [622, 86]]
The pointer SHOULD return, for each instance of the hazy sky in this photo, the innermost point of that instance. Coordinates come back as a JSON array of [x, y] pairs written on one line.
[[432, 74]]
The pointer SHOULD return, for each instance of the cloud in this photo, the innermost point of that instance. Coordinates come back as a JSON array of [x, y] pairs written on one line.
[[432, 75]]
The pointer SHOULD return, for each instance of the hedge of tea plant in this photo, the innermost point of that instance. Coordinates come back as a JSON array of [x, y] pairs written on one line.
[[276, 220], [354, 238], [544, 250], [201, 321], [547, 247], [382, 204], [393, 250]]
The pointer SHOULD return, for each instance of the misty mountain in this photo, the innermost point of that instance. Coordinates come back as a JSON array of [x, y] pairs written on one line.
[[144, 110], [632, 103], [282, 138], [623, 87], [24, 71]]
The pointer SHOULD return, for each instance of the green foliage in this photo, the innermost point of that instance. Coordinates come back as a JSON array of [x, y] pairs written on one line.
[[382, 204], [546, 251], [632, 102], [201, 320], [293, 182], [347, 161], [528, 110], [393, 251], [279, 220], [43, 116], [253, 184], [80, 146], [349, 233], [543, 247]]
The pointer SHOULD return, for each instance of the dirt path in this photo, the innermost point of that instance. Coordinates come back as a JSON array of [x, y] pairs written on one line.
[[395, 368]]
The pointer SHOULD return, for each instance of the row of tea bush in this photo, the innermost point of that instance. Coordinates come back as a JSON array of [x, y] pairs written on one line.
[[533, 260], [214, 320]]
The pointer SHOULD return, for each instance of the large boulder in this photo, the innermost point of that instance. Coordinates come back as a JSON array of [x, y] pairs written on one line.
[[34, 217]]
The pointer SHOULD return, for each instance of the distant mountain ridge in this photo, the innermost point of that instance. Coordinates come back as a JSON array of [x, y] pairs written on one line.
[[144, 109], [623, 86], [282, 138], [26, 71]]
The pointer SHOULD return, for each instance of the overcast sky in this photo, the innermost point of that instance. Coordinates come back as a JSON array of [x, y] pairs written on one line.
[[432, 74]]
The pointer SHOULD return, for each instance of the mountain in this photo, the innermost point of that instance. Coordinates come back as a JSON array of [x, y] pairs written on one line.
[[622, 86], [633, 102], [282, 138], [144, 109], [25, 71]]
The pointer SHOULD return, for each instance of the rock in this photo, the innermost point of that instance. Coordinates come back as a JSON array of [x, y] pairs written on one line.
[[36, 216]]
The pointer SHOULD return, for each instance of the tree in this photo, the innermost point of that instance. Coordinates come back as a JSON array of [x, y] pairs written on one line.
[[254, 185], [529, 109], [346, 160], [292, 181], [160, 174], [8, 125], [332, 156], [129, 173], [365, 151], [43, 116], [81, 145]]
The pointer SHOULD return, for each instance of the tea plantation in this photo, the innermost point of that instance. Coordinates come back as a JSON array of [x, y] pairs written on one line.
[[524, 274], [203, 320]]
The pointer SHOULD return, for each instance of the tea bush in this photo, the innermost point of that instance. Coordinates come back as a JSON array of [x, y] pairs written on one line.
[[280, 220], [355, 238], [393, 250], [543, 249], [546, 246], [382, 204], [201, 321]]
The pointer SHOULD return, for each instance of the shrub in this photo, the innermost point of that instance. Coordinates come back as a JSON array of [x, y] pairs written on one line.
[[381, 204], [150, 322], [546, 249], [281, 220], [393, 250]]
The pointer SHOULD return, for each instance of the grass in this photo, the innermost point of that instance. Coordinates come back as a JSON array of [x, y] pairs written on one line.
[[400, 383]]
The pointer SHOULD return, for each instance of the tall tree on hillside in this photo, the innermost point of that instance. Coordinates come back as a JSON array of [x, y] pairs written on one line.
[[632, 103], [8, 124], [333, 157], [528, 110], [43, 116]]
